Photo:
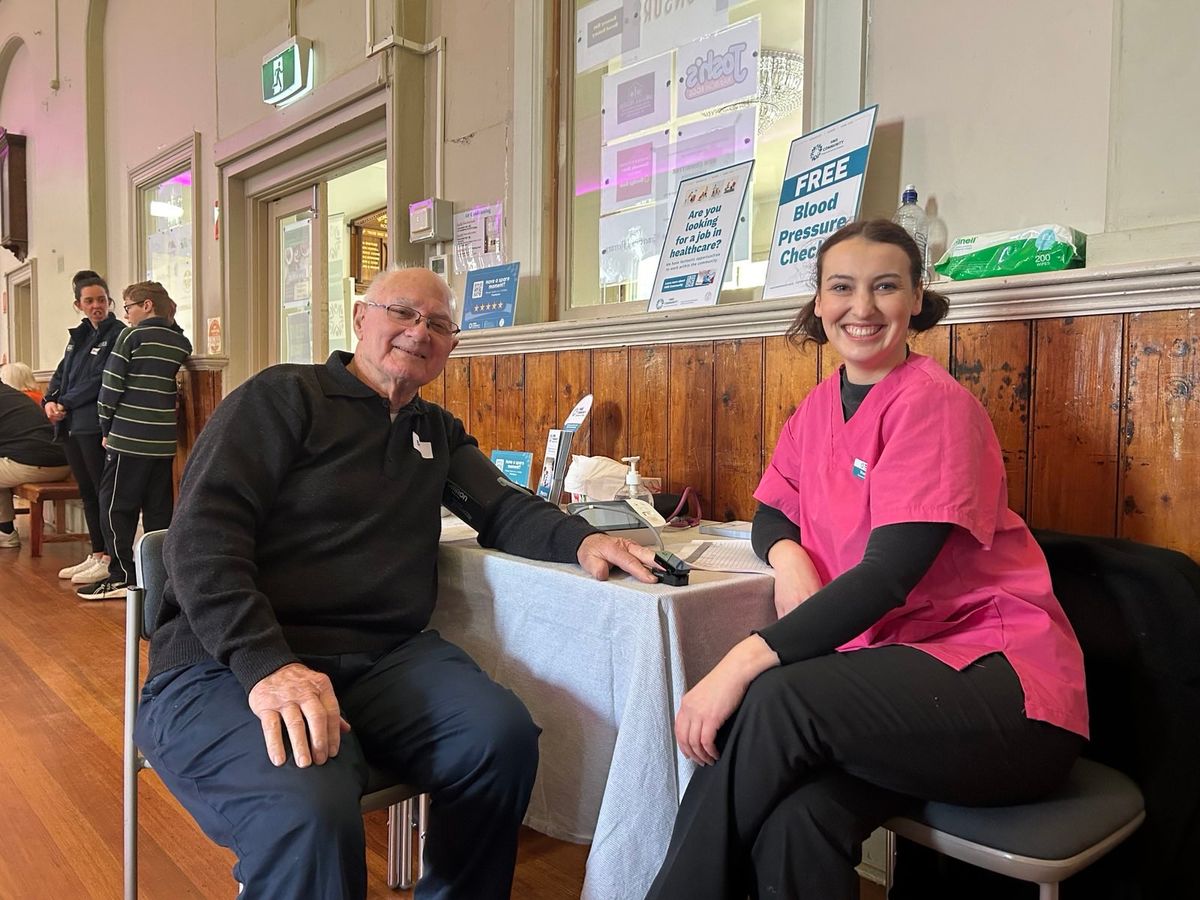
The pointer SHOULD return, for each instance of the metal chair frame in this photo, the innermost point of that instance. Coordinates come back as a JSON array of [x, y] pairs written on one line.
[[407, 807]]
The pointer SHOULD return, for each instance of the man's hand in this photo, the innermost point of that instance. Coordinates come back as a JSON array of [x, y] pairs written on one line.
[[297, 697], [708, 706], [599, 552]]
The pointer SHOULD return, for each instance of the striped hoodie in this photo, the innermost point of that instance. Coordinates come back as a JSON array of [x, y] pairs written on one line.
[[138, 391]]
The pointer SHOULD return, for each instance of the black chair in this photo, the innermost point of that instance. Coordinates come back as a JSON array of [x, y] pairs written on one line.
[[406, 806]]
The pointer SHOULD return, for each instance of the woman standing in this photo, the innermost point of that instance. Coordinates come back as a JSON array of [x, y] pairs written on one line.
[[920, 651], [71, 405]]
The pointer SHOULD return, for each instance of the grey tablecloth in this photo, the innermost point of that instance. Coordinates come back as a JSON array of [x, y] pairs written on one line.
[[602, 667]]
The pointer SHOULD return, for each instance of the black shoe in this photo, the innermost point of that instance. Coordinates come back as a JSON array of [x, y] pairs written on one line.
[[109, 589]]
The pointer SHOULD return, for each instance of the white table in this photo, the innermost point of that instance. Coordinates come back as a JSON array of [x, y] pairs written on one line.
[[602, 667]]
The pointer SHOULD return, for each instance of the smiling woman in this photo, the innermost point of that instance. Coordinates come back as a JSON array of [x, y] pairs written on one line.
[[870, 294]]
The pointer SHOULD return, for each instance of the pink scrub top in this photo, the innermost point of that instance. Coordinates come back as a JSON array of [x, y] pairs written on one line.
[[921, 448]]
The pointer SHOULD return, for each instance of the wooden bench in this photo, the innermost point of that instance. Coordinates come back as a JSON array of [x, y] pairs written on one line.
[[58, 493]]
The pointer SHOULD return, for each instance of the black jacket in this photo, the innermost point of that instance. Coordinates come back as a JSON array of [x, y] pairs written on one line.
[[76, 381], [1136, 611]]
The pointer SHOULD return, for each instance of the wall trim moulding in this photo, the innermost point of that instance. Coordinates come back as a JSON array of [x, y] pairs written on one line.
[[1171, 284]]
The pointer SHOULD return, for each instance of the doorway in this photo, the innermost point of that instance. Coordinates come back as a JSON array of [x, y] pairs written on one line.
[[327, 241], [20, 323]]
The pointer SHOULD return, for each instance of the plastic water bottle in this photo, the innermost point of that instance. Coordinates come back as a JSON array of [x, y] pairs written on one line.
[[912, 219]]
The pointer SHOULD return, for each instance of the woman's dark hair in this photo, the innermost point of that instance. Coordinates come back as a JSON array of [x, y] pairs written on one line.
[[87, 278], [807, 325]]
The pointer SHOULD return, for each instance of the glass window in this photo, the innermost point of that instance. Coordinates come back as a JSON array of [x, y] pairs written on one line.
[[166, 214], [662, 90]]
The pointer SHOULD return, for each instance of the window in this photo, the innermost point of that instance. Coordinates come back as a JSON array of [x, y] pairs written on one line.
[[659, 91], [165, 201]]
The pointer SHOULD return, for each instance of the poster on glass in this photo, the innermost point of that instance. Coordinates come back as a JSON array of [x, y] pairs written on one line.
[[699, 238]]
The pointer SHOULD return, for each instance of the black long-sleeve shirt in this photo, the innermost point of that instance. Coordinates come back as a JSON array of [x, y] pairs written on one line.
[[25, 433], [308, 523]]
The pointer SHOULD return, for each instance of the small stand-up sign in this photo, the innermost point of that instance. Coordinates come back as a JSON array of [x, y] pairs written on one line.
[[699, 238]]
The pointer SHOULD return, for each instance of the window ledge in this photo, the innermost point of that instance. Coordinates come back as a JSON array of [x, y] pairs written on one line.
[[1141, 287]]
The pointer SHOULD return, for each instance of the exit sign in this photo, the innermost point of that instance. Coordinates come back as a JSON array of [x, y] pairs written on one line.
[[287, 72]]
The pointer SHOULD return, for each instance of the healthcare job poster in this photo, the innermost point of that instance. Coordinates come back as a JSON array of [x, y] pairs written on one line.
[[699, 238]]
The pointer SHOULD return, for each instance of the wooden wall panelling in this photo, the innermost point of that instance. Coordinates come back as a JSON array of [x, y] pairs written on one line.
[[574, 381], [482, 391], [541, 407], [789, 373], [457, 378], [992, 361], [610, 386], [647, 433], [827, 362], [738, 412], [1160, 472], [689, 414], [435, 391], [934, 343], [510, 402], [1076, 397]]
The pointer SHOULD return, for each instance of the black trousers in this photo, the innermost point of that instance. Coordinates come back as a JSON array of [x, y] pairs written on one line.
[[131, 485], [85, 456], [423, 710], [822, 752]]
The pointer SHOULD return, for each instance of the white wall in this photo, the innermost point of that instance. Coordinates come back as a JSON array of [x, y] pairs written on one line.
[[52, 120], [1000, 115]]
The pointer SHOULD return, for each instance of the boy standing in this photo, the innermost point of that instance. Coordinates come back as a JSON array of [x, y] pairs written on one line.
[[137, 405]]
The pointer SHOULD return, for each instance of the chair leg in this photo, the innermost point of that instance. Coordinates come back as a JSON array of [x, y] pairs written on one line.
[[1048, 891], [37, 524], [422, 827], [133, 758], [400, 846], [889, 860]]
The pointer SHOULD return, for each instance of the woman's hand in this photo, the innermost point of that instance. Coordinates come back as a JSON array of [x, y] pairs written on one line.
[[796, 577], [708, 706], [55, 412]]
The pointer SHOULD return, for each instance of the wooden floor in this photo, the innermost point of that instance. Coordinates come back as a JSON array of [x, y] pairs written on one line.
[[61, 670]]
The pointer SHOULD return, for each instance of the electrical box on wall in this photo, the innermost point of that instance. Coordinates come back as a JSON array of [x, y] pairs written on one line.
[[430, 220]]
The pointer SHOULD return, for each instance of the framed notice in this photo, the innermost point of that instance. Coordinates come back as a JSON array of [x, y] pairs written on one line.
[[700, 237], [491, 297], [821, 192], [636, 98], [368, 247]]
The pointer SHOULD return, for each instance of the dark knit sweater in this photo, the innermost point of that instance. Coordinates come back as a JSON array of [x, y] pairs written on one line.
[[138, 394], [26, 436], [308, 523]]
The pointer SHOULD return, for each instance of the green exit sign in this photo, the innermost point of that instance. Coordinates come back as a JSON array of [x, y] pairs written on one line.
[[287, 72]]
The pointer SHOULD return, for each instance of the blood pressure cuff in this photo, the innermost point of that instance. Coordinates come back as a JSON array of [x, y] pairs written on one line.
[[474, 486]]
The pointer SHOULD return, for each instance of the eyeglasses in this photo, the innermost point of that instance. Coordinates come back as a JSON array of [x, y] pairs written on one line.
[[135, 303], [406, 315]]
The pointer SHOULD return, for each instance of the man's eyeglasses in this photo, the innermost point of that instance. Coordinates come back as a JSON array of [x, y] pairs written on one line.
[[406, 315]]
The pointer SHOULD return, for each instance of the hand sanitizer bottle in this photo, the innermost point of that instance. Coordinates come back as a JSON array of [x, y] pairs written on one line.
[[633, 489]]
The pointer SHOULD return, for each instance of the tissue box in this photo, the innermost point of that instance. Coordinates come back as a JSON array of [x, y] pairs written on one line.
[[1042, 248]]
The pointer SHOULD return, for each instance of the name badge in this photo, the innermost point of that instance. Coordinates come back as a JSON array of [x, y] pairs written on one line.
[[859, 468], [423, 447]]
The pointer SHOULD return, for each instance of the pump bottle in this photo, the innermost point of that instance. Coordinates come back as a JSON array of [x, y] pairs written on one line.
[[633, 488]]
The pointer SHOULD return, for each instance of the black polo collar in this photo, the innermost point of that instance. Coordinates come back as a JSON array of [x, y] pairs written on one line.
[[338, 381]]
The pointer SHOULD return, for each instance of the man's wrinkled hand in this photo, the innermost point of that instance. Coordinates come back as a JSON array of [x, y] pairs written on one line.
[[301, 700], [600, 552]]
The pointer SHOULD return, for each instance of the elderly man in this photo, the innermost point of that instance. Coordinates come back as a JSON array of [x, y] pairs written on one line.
[[291, 646]]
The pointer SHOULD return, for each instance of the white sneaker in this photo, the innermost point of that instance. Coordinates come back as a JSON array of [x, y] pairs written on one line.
[[12, 541], [97, 571], [88, 562]]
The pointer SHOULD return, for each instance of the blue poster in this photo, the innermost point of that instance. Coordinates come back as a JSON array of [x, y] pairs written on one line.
[[490, 299], [517, 465]]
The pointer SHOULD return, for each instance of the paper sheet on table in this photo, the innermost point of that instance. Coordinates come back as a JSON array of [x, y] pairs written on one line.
[[723, 556]]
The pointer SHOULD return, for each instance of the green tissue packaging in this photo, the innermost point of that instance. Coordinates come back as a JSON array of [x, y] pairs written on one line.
[[1041, 248]]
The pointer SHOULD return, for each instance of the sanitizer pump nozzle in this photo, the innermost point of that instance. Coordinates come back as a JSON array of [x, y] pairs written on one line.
[[633, 489]]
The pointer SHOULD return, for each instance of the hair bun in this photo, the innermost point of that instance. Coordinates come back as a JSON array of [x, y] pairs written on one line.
[[82, 275]]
